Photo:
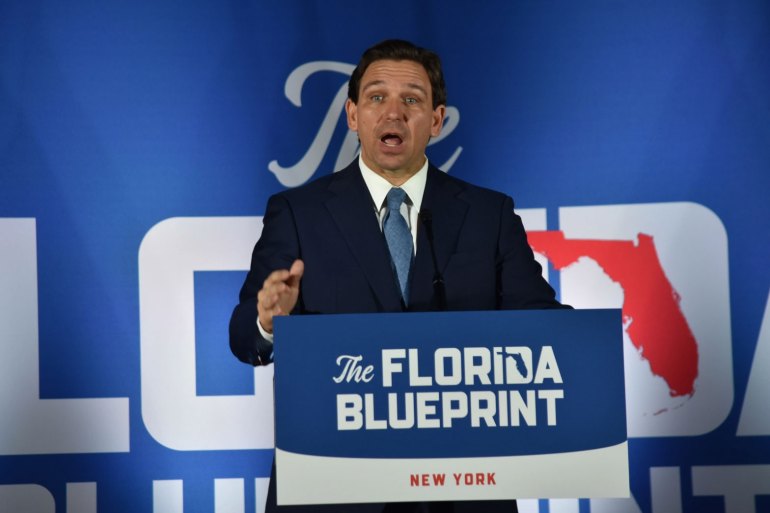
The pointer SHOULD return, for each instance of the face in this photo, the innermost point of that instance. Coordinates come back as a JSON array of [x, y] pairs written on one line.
[[395, 118]]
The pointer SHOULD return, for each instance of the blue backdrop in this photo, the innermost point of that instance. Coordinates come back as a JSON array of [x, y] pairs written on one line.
[[116, 117]]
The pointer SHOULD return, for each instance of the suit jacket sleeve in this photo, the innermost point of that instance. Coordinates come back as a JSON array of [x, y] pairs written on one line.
[[520, 281], [276, 249]]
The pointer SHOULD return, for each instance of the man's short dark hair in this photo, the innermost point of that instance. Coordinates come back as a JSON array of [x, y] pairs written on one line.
[[399, 50]]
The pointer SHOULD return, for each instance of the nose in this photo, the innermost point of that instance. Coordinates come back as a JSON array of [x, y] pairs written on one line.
[[394, 109]]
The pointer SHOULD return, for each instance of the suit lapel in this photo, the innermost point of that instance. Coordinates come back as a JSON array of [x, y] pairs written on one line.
[[351, 208], [442, 199]]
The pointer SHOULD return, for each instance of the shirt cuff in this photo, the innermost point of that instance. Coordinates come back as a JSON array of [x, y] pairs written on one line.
[[265, 335]]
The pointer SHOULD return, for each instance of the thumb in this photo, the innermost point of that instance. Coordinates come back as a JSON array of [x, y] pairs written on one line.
[[296, 272]]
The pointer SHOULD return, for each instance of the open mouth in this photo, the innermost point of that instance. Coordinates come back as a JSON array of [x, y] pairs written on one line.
[[391, 139]]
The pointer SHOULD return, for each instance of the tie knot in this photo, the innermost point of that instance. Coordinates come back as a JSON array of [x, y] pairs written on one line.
[[394, 198]]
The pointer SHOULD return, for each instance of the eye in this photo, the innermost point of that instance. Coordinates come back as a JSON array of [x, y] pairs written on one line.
[[410, 100], [376, 98]]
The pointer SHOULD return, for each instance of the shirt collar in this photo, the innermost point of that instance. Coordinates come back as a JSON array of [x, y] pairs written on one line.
[[379, 187]]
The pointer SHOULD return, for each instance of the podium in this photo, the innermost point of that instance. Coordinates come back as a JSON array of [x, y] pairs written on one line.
[[450, 406]]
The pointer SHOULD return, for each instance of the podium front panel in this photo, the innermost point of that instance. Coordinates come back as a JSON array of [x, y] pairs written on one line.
[[450, 406]]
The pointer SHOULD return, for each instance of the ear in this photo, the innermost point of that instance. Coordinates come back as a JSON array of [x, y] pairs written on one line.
[[352, 111], [438, 120]]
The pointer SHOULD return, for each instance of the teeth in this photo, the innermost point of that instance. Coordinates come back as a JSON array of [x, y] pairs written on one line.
[[392, 140]]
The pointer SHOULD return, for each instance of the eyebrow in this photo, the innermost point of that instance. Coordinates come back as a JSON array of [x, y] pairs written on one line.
[[410, 85]]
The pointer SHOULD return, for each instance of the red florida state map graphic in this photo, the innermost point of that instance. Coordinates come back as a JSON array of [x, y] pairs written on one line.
[[652, 315]]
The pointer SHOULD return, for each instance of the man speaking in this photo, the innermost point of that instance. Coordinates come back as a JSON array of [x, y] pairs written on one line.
[[389, 233]]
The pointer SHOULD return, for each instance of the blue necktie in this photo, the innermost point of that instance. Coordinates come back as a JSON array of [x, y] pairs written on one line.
[[399, 239]]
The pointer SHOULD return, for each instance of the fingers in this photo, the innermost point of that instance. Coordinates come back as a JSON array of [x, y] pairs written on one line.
[[268, 306], [270, 295], [273, 295], [293, 274], [279, 293]]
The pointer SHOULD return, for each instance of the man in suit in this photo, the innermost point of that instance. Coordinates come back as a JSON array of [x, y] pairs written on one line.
[[341, 244]]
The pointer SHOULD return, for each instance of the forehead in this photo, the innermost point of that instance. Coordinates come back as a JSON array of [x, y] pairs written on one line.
[[404, 73]]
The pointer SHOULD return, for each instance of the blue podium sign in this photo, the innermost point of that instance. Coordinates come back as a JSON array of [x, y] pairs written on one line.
[[450, 406]]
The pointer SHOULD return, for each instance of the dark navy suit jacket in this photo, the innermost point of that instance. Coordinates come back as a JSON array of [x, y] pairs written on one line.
[[331, 224]]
